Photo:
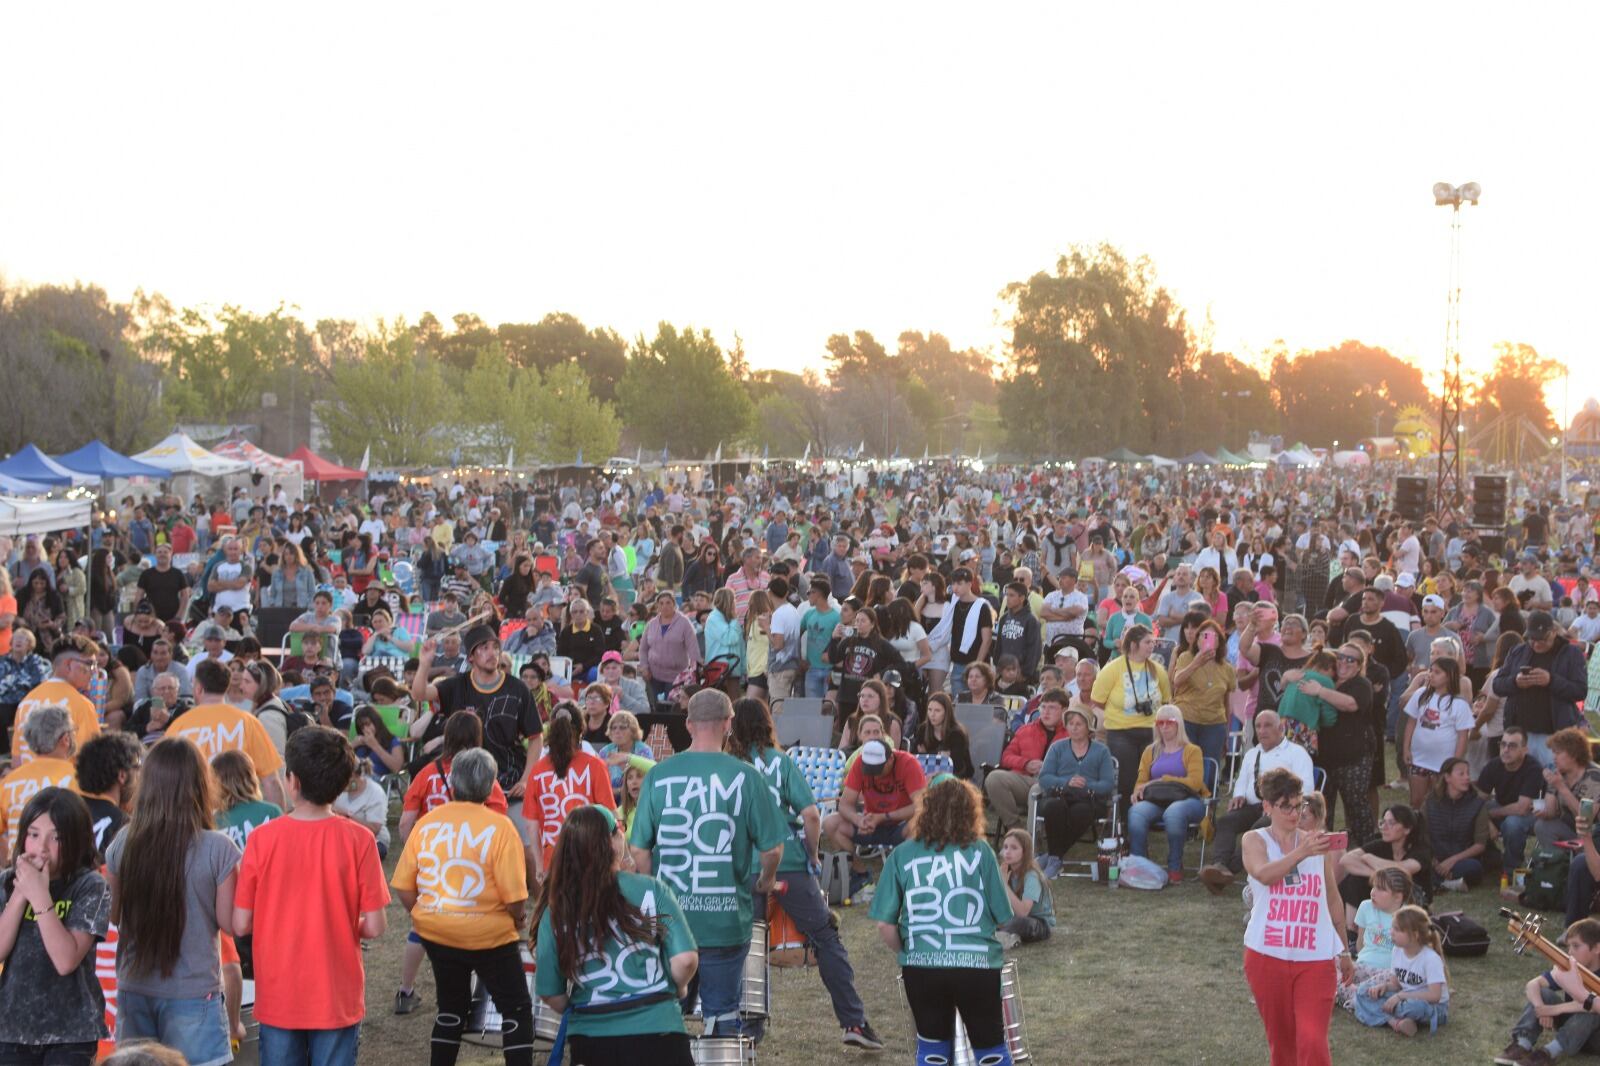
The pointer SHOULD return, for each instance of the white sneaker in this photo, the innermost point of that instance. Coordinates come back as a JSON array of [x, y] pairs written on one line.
[[1455, 884], [1009, 941]]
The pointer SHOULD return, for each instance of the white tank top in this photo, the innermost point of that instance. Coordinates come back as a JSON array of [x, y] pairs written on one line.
[[1289, 920]]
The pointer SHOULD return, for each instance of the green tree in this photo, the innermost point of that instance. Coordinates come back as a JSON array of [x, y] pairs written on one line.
[[1098, 355], [678, 391], [569, 418], [1343, 394], [1239, 400], [496, 404], [394, 399], [561, 338], [1514, 388], [219, 365]]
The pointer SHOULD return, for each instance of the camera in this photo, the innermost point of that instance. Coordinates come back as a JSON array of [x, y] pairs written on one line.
[[1144, 707]]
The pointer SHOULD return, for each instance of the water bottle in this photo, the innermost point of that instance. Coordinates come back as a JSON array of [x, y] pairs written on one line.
[[1114, 874]]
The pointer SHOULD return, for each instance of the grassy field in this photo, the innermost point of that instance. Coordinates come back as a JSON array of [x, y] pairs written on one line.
[[1130, 977]]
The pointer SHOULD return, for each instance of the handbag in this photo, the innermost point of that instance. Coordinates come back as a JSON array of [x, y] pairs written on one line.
[[1071, 794], [1162, 793]]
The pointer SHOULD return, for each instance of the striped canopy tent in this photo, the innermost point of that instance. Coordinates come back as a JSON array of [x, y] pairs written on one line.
[[258, 458]]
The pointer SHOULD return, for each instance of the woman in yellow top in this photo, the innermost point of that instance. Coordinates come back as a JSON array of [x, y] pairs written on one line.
[[463, 878], [1202, 681], [1171, 789], [1130, 688], [757, 643]]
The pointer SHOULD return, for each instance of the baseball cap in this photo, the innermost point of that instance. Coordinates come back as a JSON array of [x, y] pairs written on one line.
[[1433, 601], [1540, 624], [874, 757], [616, 657], [1406, 581]]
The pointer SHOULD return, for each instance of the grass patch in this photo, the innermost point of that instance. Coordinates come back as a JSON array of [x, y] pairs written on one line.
[[1129, 978]]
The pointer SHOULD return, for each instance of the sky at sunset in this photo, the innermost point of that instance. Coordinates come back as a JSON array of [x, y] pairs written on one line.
[[790, 171]]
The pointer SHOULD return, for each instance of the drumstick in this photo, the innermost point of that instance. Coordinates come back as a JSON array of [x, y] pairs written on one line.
[[460, 626]]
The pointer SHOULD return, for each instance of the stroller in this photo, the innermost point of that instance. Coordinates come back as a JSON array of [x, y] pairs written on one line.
[[716, 673]]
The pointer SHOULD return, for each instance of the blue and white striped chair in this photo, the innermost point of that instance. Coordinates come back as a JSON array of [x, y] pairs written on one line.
[[936, 764], [823, 770]]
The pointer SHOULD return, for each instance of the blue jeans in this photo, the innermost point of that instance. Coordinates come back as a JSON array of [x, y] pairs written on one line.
[[816, 682], [1514, 831], [1176, 819], [1580, 889], [196, 1027], [1539, 749], [1212, 741], [1468, 870], [1369, 1011], [802, 901], [720, 982], [1396, 690], [310, 1047], [958, 681]]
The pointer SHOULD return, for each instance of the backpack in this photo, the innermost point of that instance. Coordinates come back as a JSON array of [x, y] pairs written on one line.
[[1460, 936], [1545, 888], [835, 878], [787, 946]]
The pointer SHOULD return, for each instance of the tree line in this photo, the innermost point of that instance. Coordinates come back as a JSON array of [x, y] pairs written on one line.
[[1100, 356]]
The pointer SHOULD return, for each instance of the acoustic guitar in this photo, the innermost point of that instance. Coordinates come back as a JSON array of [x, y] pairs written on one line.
[[1525, 932]]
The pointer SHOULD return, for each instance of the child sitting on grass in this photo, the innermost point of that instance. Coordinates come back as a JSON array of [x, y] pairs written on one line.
[[1391, 887], [1028, 891], [1552, 1008], [1416, 990]]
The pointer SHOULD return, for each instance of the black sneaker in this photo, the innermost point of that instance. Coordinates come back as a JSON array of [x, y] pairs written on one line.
[[862, 1036], [406, 1002]]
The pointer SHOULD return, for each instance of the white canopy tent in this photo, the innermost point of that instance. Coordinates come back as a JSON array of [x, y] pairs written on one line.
[[187, 462], [21, 518]]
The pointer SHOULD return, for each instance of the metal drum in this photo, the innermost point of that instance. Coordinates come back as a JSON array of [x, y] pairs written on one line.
[[723, 1051], [483, 1019], [1010, 1017], [755, 990]]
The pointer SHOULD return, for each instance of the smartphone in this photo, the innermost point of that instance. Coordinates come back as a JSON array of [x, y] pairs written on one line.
[[1338, 841], [1525, 670], [1208, 640], [1586, 810]]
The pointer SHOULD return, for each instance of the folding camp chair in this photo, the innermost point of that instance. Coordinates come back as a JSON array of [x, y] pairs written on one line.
[[1109, 826]]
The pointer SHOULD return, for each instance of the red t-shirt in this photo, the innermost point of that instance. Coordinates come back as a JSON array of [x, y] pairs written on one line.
[[430, 789], [549, 799], [890, 790], [308, 883]]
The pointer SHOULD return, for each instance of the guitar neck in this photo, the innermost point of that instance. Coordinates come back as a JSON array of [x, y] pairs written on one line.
[[1561, 960]]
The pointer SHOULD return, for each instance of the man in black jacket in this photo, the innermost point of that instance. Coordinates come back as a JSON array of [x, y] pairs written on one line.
[[1541, 682]]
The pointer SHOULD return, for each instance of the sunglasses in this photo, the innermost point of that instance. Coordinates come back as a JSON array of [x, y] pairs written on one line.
[[1349, 659]]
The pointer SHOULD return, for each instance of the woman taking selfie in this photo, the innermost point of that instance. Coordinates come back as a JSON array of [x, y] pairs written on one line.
[[1289, 963]]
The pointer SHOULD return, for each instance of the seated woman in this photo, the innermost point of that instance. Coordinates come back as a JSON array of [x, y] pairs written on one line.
[[626, 748], [1573, 779], [1402, 841], [385, 642], [1170, 788], [1458, 828], [874, 699], [940, 734], [1078, 780], [981, 681]]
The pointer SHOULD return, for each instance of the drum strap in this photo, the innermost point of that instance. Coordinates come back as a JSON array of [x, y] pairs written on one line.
[[612, 1007]]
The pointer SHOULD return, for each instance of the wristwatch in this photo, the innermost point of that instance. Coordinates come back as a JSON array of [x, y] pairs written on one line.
[[1588, 1002]]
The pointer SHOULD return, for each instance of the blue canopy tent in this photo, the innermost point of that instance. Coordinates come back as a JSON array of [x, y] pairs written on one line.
[[15, 486], [30, 464], [97, 460]]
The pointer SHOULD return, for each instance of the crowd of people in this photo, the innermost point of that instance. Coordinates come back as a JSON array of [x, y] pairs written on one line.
[[209, 704]]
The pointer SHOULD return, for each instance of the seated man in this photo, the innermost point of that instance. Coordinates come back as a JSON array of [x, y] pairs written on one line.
[[880, 790], [448, 615], [1244, 809], [151, 715], [537, 636], [1008, 787], [1513, 783]]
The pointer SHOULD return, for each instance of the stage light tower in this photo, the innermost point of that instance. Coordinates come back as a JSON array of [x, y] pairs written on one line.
[[1447, 487]]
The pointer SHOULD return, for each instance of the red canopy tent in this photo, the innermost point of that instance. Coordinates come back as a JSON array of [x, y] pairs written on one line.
[[319, 469]]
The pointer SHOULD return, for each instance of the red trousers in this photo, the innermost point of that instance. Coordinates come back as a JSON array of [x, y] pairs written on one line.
[[1296, 1001]]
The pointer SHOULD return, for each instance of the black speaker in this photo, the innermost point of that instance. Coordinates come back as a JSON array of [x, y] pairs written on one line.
[[1489, 495], [1411, 497], [1493, 544]]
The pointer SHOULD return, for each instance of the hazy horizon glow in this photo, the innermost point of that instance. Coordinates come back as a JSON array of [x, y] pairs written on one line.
[[786, 174]]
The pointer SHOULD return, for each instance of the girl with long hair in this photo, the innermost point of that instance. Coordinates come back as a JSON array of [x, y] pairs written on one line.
[[1027, 890], [757, 643], [1438, 724], [54, 907], [1416, 990], [172, 882], [41, 608], [375, 745], [240, 812], [931, 608], [595, 921], [565, 777], [1402, 842], [940, 733], [950, 964]]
